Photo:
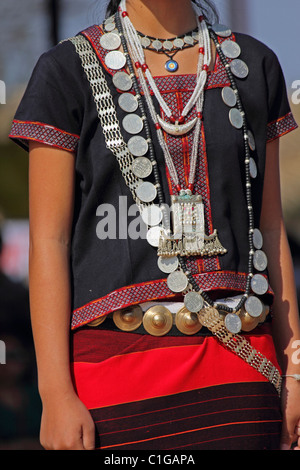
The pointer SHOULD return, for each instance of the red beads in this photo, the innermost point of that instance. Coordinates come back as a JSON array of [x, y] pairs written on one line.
[[200, 115], [205, 67], [144, 67], [181, 120], [201, 50], [191, 187], [124, 13], [201, 18], [178, 187], [137, 65], [157, 126]]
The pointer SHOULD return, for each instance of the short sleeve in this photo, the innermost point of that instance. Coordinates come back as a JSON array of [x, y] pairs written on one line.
[[51, 109], [280, 118]]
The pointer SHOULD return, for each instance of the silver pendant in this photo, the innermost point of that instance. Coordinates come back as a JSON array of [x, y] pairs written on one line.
[[122, 81], [193, 302], [233, 323], [142, 167], [168, 265], [251, 141], [252, 168], [145, 42], [236, 118], [229, 96], [152, 215], [157, 45], [110, 41], [257, 239], [138, 146], [254, 306], [260, 260], [221, 30], [133, 124], [168, 45], [146, 192], [115, 60], [128, 102], [176, 129], [177, 281], [153, 236], [188, 40], [109, 26], [178, 43], [230, 49], [259, 284], [239, 68]]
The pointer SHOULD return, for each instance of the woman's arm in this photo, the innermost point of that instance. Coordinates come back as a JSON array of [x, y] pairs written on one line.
[[66, 423], [286, 327]]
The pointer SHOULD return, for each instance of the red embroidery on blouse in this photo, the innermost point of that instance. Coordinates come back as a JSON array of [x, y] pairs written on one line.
[[281, 126]]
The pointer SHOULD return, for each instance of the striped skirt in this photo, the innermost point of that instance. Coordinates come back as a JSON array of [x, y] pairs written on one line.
[[175, 392]]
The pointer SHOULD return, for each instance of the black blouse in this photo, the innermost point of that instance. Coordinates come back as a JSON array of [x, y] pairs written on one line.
[[113, 270]]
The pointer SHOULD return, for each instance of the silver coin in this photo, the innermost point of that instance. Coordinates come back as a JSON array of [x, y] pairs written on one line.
[[128, 102], [233, 323], [251, 141], [168, 265], [178, 42], [145, 42], [157, 45], [153, 236], [252, 168], [142, 167], [146, 191], [229, 96], [254, 306], [188, 40], [152, 215], [133, 124], [168, 45], [195, 35], [239, 68], [260, 260], [236, 118], [115, 60], [230, 49], [259, 284], [109, 26], [138, 146], [221, 30], [110, 41], [193, 302], [177, 281], [257, 239], [122, 81]]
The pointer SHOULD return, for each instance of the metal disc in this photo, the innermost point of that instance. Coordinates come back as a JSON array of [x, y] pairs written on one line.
[[168, 265], [146, 191], [128, 102], [257, 239], [230, 49], [193, 302], [153, 235], [115, 60], [229, 96], [221, 30], [178, 42], [253, 168], [233, 323], [138, 146], [158, 320], [128, 319], [122, 81], [133, 124], [259, 284], [260, 260], [248, 322], [236, 118], [188, 40], [187, 322], [109, 26], [239, 68], [168, 45], [251, 141], [142, 167], [177, 281], [157, 45], [254, 306], [97, 322], [110, 41], [145, 42], [152, 215]]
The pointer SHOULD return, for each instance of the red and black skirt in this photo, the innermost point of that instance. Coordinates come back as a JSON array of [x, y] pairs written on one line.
[[175, 392]]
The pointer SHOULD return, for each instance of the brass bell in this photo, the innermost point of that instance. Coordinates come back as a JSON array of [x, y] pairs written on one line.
[[264, 314], [158, 320], [248, 322], [97, 322], [128, 319], [187, 322]]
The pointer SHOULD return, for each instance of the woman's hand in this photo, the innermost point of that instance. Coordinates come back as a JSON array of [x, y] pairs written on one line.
[[66, 424], [290, 397]]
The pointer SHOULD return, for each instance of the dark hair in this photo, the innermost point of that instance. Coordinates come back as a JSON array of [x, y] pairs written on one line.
[[209, 10]]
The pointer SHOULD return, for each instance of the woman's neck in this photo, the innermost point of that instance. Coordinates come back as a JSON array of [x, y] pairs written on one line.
[[162, 18]]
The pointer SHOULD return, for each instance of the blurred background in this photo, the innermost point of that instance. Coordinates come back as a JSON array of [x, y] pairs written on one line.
[[27, 29]]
